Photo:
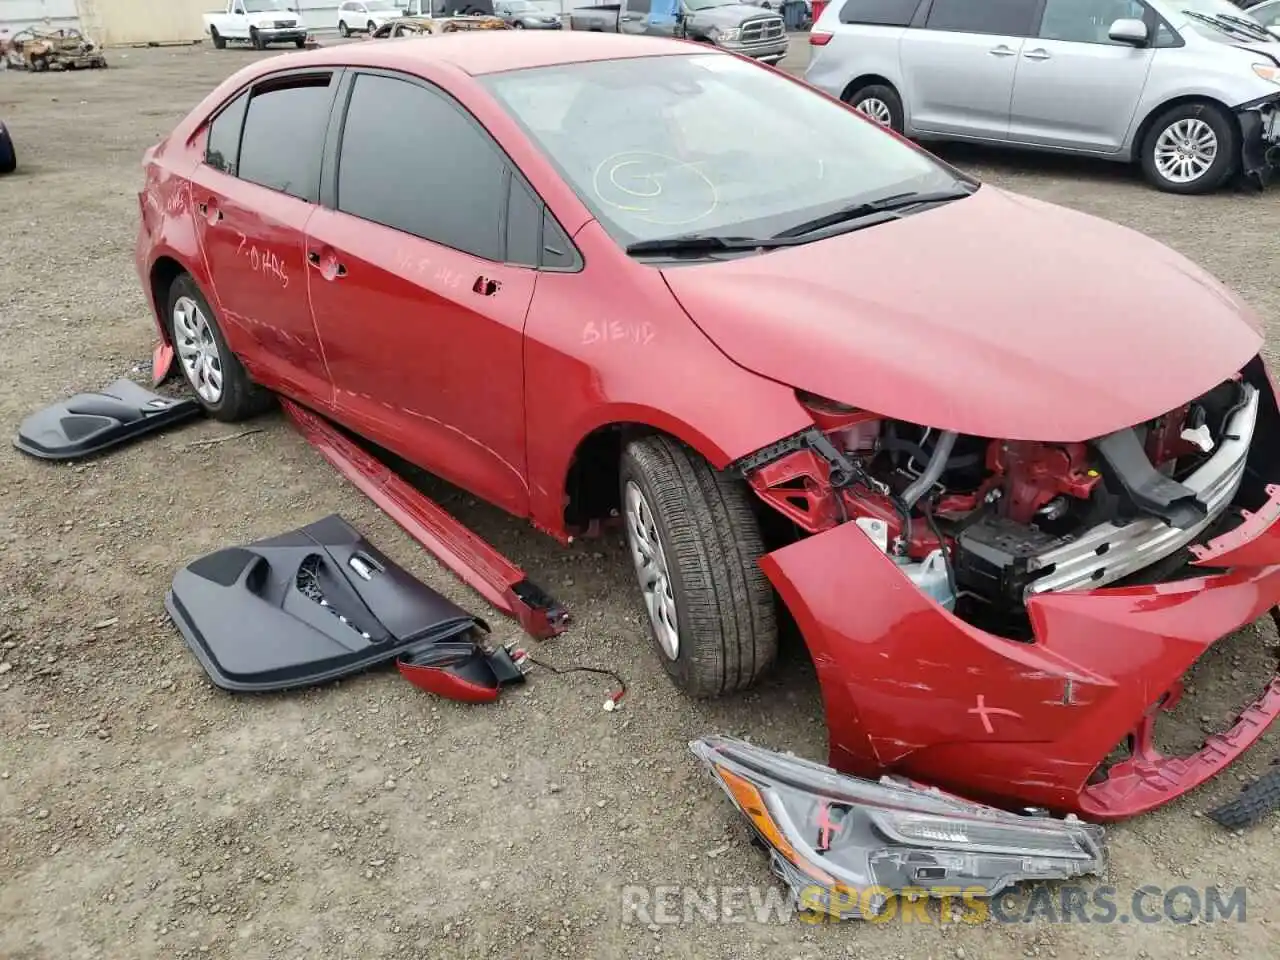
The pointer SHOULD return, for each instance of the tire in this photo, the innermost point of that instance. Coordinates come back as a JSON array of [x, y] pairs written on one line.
[[239, 397], [709, 541], [8, 156], [881, 103], [300, 44], [370, 27], [1190, 119], [517, 25], [343, 30], [219, 41], [256, 39], [39, 64]]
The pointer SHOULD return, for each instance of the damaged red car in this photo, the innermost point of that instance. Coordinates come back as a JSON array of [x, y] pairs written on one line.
[[1011, 469]]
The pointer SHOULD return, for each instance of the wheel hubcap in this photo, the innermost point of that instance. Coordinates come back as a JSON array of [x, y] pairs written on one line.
[[1186, 150], [876, 109], [197, 349], [651, 569]]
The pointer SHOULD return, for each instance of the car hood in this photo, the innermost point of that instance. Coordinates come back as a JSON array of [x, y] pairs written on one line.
[[995, 315], [1271, 51], [731, 15]]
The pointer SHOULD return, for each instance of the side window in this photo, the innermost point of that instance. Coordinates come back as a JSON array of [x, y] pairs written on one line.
[[1001, 18], [639, 6], [284, 135], [222, 149], [1087, 21], [879, 13], [440, 177], [524, 225]]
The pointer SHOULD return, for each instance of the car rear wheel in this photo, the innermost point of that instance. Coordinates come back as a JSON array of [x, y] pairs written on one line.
[[8, 155], [222, 386], [1191, 148], [879, 102], [219, 41], [695, 543]]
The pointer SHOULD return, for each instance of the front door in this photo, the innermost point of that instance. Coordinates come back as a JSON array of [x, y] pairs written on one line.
[[1075, 86], [252, 198], [421, 319], [959, 69]]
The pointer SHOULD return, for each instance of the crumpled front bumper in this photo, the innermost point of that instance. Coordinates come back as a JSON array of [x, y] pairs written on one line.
[[1260, 139], [908, 687]]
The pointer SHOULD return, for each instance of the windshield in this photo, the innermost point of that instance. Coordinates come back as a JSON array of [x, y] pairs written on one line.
[[264, 6], [1198, 15], [706, 143]]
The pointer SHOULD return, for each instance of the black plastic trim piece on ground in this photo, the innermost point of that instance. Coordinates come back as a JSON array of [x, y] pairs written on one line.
[[91, 423]]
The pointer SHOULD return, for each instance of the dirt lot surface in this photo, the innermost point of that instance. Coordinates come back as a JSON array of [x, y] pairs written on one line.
[[144, 814]]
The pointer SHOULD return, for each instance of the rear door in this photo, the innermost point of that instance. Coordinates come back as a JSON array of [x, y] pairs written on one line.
[[959, 70], [253, 194], [419, 304], [1075, 86]]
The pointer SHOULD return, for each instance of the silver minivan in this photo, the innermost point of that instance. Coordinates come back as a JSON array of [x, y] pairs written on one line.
[[1190, 89]]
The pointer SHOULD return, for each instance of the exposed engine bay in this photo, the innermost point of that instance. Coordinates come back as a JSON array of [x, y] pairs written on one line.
[[982, 524]]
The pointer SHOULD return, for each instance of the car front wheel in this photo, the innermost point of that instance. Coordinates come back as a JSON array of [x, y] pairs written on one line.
[[1191, 148], [695, 544], [222, 386]]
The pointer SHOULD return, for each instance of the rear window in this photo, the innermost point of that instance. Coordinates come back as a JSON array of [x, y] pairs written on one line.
[[880, 13], [1004, 18]]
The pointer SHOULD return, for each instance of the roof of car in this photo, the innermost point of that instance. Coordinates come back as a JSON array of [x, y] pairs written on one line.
[[479, 52]]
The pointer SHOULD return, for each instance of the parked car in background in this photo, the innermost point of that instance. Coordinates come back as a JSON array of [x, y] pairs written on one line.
[[523, 15], [260, 22], [365, 16], [1189, 89], [736, 27]]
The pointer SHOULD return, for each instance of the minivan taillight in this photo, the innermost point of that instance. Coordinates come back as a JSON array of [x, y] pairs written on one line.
[[819, 39]]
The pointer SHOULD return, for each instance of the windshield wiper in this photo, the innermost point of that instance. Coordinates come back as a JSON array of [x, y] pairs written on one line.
[[1257, 29], [1230, 25], [886, 205], [703, 243]]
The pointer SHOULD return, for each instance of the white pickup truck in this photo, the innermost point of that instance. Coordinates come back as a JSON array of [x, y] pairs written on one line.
[[259, 22]]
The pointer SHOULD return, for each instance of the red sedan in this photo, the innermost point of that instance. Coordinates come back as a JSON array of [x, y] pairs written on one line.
[[1008, 467]]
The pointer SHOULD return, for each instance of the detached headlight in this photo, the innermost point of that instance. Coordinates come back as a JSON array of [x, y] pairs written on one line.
[[845, 845], [1267, 71]]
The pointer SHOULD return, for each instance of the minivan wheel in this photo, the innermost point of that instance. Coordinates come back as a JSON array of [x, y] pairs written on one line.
[[695, 543], [1191, 148], [881, 103], [222, 386]]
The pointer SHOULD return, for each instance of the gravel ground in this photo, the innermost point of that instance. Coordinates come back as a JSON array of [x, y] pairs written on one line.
[[144, 814]]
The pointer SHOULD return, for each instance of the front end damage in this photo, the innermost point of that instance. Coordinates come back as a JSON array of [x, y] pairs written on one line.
[[998, 617], [1259, 139]]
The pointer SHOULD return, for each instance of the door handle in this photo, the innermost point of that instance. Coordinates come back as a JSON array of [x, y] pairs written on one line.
[[1001, 51], [209, 211], [329, 270], [1037, 54]]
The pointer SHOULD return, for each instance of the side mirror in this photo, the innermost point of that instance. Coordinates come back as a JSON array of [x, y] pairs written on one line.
[[1129, 31]]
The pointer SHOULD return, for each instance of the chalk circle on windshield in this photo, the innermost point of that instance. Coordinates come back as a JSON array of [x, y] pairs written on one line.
[[655, 188]]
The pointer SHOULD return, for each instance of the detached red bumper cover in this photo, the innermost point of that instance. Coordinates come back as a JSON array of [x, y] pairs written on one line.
[[910, 687]]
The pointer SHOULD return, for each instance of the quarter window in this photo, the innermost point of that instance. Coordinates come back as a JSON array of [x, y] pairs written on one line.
[[879, 13], [1003, 18], [284, 135], [222, 150], [438, 177]]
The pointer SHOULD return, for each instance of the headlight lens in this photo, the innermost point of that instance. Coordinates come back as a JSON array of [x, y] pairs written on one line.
[[1267, 71], [844, 844], [728, 35]]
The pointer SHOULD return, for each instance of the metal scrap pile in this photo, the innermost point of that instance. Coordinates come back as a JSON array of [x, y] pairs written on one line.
[[48, 49]]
